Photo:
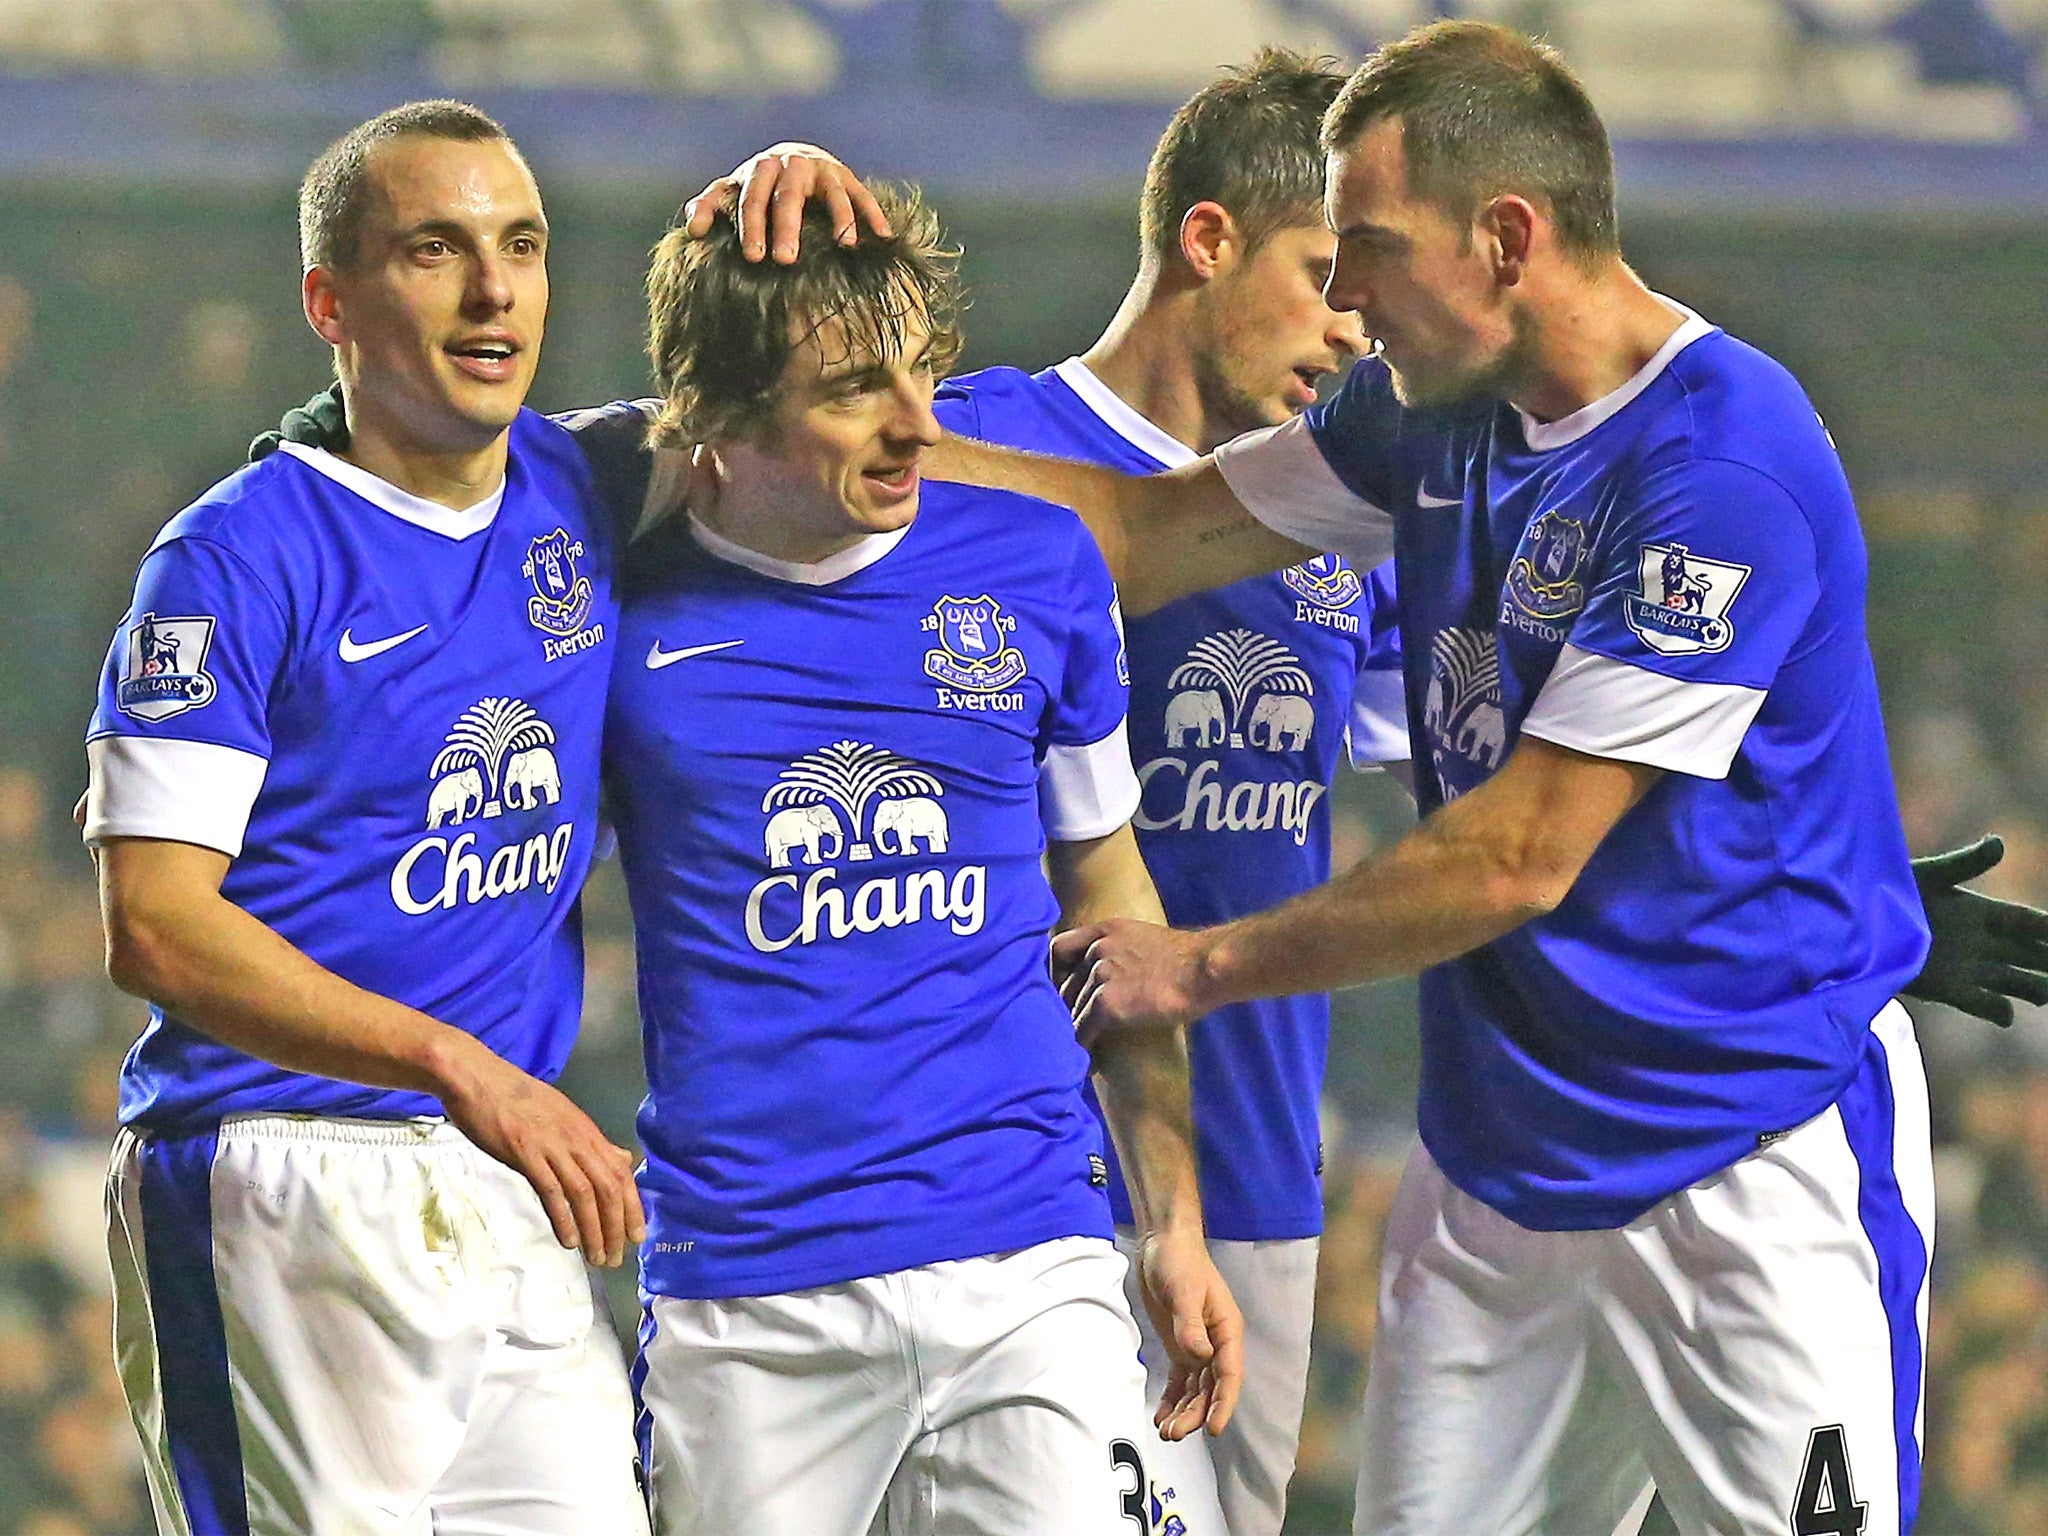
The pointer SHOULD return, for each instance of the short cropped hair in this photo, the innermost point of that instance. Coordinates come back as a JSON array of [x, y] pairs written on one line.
[[1249, 142], [334, 199], [721, 328], [1483, 111]]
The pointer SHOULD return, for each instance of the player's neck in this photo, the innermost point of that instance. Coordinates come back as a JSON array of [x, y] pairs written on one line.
[[768, 524], [1146, 359], [457, 478], [1590, 335]]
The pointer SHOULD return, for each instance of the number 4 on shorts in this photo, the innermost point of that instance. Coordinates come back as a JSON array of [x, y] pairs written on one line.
[[1826, 1503]]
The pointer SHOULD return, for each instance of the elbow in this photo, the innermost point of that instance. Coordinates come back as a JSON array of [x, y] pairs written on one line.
[[141, 957], [1527, 880]]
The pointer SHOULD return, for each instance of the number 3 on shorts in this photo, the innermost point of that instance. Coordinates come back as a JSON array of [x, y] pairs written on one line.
[[1132, 1500], [1826, 1477]]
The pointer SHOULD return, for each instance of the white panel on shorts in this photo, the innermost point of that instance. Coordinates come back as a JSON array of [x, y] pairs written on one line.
[[182, 791], [1283, 480], [1235, 1484], [1378, 728], [1607, 708], [994, 1396], [1088, 792]]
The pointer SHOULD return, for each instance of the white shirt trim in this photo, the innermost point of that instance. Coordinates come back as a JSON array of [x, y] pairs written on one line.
[[1607, 708], [1115, 413], [1281, 478], [850, 561], [1378, 728], [1088, 792], [181, 791], [456, 523], [1542, 436]]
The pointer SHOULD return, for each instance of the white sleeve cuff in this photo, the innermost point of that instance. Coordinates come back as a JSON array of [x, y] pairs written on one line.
[[1087, 792], [1283, 480], [181, 791], [1607, 708], [1378, 729]]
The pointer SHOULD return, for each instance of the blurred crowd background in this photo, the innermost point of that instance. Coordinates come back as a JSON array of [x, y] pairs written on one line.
[[1859, 186]]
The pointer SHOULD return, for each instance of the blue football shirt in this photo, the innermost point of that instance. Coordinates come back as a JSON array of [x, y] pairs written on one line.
[[1672, 576], [1241, 702], [833, 785], [387, 714]]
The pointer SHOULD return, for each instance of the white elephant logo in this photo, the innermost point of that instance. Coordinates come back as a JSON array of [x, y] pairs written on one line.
[[456, 798], [1289, 721], [810, 827], [1483, 735], [909, 819], [1199, 711], [532, 780]]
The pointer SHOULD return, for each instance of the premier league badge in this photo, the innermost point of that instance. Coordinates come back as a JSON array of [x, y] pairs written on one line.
[[1544, 578], [974, 651], [562, 594], [165, 670], [1680, 605]]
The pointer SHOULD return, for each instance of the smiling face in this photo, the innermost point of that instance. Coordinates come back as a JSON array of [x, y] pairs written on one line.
[[1428, 292], [1271, 338], [838, 459], [437, 320]]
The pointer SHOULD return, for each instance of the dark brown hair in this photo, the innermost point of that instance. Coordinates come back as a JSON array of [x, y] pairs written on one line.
[[334, 199], [1484, 110], [1247, 141], [720, 328]]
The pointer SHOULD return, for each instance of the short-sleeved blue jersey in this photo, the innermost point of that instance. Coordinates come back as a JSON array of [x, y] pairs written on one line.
[[1241, 700], [419, 694], [833, 786], [1673, 576]]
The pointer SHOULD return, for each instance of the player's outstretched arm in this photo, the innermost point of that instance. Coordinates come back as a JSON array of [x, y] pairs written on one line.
[[1476, 869], [1986, 952], [1141, 1079], [174, 939]]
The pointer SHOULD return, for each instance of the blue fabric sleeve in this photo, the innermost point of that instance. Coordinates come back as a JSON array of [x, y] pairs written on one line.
[[1095, 688], [1709, 574], [198, 654], [1383, 638], [1357, 429]]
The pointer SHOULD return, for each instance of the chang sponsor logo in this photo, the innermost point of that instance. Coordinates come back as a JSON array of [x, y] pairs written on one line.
[[497, 758], [853, 802], [1461, 710], [1188, 795]]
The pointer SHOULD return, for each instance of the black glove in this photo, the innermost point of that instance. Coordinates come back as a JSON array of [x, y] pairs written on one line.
[[1986, 952], [319, 423]]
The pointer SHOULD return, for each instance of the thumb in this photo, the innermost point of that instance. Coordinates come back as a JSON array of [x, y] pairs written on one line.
[[1960, 865], [1191, 1329], [1069, 947]]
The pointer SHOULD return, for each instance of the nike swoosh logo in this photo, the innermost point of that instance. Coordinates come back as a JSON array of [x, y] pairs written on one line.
[[1424, 499], [350, 651], [657, 658]]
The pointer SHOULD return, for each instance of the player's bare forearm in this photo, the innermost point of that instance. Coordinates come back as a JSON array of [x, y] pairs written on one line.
[[1100, 878], [1476, 869], [1141, 1079], [1163, 536], [174, 939]]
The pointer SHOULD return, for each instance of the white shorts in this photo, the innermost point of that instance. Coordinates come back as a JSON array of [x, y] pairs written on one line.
[[360, 1328], [994, 1396], [1754, 1344], [1236, 1484]]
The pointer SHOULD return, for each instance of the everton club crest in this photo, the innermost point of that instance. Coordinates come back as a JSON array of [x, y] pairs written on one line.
[[1325, 581], [1544, 578], [164, 673], [561, 598], [974, 651]]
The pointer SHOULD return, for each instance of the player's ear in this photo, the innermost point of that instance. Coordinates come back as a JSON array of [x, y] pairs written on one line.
[[1210, 241], [1508, 225], [322, 306]]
